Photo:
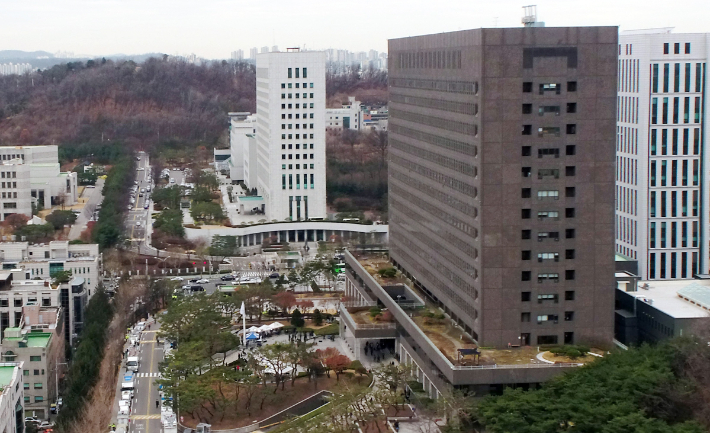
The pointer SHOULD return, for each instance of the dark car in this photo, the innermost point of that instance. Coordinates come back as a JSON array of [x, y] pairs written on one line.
[[274, 275], [197, 288], [194, 280], [227, 278]]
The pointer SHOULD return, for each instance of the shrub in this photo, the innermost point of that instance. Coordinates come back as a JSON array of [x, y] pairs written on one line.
[[388, 272], [375, 311]]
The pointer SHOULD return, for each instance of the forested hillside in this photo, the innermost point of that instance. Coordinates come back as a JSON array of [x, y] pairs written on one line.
[[135, 103], [143, 104]]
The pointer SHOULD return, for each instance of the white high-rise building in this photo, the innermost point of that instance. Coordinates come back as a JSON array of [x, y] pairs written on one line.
[[290, 134], [238, 55], [253, 52], [661, 192]]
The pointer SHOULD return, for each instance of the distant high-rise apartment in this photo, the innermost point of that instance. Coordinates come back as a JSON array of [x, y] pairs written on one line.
[[661, 193], [264, 50], [238, 55], [290, 135], [501, 179], [253, 52]]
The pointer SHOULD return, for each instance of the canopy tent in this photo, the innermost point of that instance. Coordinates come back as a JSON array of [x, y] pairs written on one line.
[[252, 336], [264, 328], [276, 325], [253, 329]]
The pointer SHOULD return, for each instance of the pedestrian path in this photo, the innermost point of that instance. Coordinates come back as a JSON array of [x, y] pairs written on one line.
[[148, 375]]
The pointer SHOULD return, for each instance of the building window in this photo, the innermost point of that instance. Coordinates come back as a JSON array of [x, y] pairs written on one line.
[[569, 233], [687, 48], [570, 150], [570, 170], [570, 191], [569, 274], [571, 129], [526, 193], [569, 212], [525, 297], [527, 130], [569, 316], [527, 108], [38, 386], [569, 295], [569, 254], [571, 107], [676, 48], [524, 317], [526, 151], [527, 87], [571, 86], [549, 87], [525, 234], [525, 255], [665, 48], [525, 214]]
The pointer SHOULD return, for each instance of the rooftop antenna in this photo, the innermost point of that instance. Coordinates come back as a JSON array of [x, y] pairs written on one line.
[[530, 17]]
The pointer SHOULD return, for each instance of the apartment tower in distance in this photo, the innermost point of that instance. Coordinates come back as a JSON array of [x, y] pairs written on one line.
[[501, 179], [290, 134], [661, 192]]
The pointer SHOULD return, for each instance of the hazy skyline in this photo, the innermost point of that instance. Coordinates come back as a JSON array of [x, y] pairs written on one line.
[[215, 28]]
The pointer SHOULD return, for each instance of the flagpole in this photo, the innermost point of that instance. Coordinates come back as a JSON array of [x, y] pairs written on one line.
[[244, 324]]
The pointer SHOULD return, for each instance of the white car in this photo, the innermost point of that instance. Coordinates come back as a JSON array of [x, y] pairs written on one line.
[[176, 279], [138, 223], [130, 207], [126, 395], [203, 281]]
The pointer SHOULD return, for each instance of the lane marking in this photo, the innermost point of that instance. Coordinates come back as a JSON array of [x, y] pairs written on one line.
[[146, 417]]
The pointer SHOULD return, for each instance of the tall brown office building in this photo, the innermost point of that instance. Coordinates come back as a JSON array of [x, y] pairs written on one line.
[[501, 179]]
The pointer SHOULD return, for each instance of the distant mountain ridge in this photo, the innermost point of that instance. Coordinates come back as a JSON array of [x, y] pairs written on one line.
[[23, 55]]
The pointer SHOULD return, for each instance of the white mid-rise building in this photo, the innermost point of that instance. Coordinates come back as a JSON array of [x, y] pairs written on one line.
[[28, 271], [290, 135], [661, 191], [31, 175], [12, 392], [349, 116]]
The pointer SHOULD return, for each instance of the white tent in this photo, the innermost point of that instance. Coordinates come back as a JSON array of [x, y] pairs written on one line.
[[264, 328], [253, 329], [276, 325]]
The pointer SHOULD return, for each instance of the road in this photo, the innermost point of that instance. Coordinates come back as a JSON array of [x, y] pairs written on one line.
[[94, 198], [138, 218], [144, 416]]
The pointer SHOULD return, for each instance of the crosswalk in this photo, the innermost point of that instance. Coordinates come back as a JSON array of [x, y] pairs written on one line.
[[148, 375], [145, 417]]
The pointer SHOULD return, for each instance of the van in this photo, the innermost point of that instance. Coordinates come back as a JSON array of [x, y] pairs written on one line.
[[132, 363], [128, 386]]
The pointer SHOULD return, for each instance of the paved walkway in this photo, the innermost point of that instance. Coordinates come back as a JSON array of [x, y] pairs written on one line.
[[94, 197]]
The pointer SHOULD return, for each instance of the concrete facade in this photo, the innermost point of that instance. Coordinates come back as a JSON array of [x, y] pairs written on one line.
[[39, 344], [12, 414], [31, 175], [501, 179], [349, 116], [661, 190], [290, 135]]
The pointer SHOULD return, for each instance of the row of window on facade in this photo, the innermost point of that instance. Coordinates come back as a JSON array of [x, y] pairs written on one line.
[[298, 156], [627, 139], [8, 174], [290, 106], [541, 257], [298, 181], [298, 95], [659, 170], [570, 191], [298, 126], [663, 266], [9, 157], [677, 147], [626, 200], [526, 234], [677, 74], [545, 88], [9, 184], [686, 113], [570, 150], [550, 131], [629, 70], [543, 173], [670, 238], [296, 85], [547, 276], [626, 230], [544, 318], [298, 72], [430, 60], [290, 137], [660, 208], [298, 166], [676, 48], [18, 302], [570, 107]]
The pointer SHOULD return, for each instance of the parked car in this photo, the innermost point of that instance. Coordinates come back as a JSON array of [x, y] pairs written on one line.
[[227, 278], [203, 281], [194, 280], [176, 279], [197, 288]]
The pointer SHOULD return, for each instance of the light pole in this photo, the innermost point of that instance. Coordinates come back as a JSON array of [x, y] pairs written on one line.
[[56, 379]]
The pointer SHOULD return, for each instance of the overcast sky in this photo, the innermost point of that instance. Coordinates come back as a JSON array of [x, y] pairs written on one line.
[[215, 28]]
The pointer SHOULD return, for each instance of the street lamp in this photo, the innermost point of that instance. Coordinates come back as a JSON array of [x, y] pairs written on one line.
[[56, 378]]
